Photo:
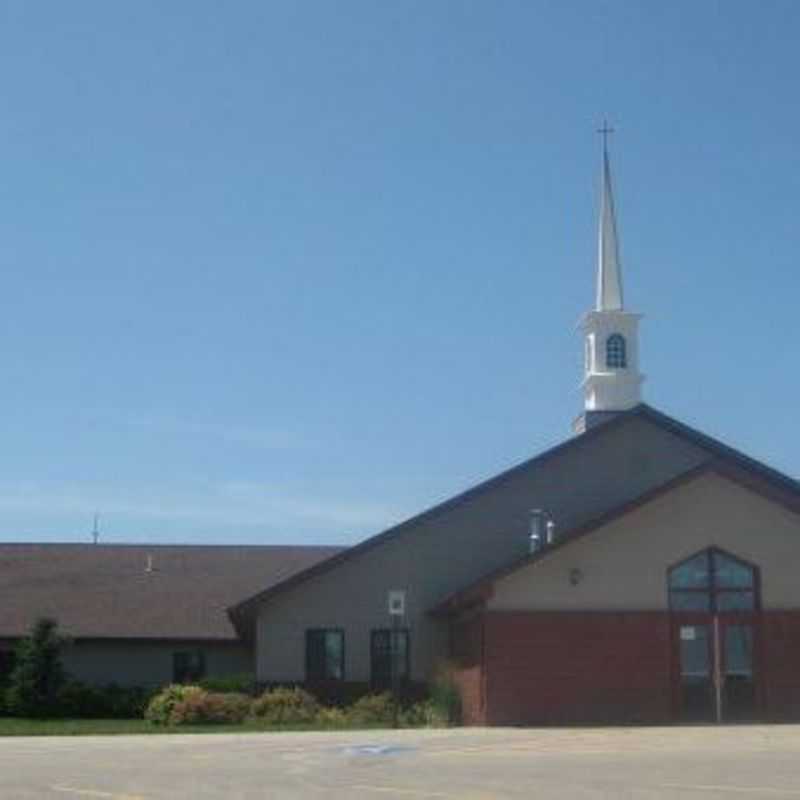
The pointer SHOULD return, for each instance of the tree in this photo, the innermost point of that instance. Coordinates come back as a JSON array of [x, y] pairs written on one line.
[[38, 673]]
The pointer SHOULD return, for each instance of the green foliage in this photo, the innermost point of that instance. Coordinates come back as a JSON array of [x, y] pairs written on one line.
[[214, 708], [332, 717], [373, 709], [445, 696], [38, 674], [242, 684], [78, 701], [159, 709], [425, 714], [285, 706]]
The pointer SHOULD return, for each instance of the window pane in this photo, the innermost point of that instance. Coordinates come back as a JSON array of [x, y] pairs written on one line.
[[334, 655], [324, 655], [692, 574], [695, 654], [690, 601], [188, 666], [739, 651], [383, 641], [735, 601], [730, 573]]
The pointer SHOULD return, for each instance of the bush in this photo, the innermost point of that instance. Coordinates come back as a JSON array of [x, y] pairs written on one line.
[[332, 717], [446, 696], [211, 708], [373, 709], [239, 684], [285, 706], [38, 674], [76, 699], [159, 709], [423, 715]]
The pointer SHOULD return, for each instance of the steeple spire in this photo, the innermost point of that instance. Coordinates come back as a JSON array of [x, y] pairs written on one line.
[[611, 378], [609, 274]]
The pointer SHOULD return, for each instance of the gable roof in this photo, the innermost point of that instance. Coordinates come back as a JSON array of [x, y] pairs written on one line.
[[481, 589], [106, 590], [242, 611]]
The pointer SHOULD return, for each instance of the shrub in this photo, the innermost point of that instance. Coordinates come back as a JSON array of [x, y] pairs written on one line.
[[240, 684], [285, 705], [332, 717], [76, 699], [159, 709], [373, 709], [38, 674], [423, 715], [211, 708], [446, 696]]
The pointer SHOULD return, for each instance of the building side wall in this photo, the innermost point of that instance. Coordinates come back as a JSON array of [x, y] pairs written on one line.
[[131, 663], [623, 565], [442, 554], [559, 668]]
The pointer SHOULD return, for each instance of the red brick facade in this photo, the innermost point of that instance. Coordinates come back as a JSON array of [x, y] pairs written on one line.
[[530, 668], [780, 660]]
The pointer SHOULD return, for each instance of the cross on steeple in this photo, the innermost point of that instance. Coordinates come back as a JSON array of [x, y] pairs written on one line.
[[604, 131]]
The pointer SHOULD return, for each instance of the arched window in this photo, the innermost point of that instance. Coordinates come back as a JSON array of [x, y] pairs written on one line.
[[712, 581], [616, 357]]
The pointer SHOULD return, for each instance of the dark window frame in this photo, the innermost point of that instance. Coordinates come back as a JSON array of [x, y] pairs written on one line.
[[192, 670], [713, 589], [321, 675], [381, 678]]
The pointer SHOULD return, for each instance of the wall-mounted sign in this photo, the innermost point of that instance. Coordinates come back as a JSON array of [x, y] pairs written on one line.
[[688, 633], [397, 603]]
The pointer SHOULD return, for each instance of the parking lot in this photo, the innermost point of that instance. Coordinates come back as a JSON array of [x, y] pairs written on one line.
[[695, 762]]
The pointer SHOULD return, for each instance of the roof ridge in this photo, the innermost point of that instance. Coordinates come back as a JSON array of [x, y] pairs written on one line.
[[181, 545], [709, 443]]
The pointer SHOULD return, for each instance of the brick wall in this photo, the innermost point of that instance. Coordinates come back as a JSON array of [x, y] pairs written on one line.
[[558, 667], [780, 662], [466, 654]]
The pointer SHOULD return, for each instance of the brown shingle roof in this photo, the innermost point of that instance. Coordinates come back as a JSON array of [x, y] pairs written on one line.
[[106, 590]]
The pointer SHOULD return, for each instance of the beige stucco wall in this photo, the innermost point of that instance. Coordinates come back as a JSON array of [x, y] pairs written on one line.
[[130, 663], [624, 563], [439, 555]]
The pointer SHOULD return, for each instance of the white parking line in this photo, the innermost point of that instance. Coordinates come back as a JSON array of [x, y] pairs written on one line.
[[96, 793], [760, 791]]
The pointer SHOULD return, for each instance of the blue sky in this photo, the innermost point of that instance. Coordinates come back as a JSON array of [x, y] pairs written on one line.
[[293, 271]]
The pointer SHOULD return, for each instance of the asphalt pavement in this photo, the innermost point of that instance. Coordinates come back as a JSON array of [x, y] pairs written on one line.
[[690, 763]]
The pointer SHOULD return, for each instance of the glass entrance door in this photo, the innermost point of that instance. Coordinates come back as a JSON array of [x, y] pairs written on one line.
[[698, 702], [715, 603], [717, 676], [737, 673]]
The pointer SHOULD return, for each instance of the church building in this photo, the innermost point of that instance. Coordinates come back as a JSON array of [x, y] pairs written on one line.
[[640, 571]]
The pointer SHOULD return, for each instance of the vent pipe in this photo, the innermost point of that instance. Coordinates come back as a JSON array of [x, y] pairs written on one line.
[[551, 531], [542, 530]]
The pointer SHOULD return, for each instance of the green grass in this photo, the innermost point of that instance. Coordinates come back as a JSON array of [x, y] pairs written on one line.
[[13, 726]]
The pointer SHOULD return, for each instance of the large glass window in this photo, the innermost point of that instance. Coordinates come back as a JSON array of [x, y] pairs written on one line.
[[616, 357], [387, 644], [325, 654], [712, 581]]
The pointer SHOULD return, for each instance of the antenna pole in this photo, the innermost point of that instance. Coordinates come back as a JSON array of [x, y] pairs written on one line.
[[96, 530]]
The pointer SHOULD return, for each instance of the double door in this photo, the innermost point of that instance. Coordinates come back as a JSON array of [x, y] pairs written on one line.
[[717, 667]]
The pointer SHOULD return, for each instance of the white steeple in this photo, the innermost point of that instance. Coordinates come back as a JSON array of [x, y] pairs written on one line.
[[612, 381], [609, 277]]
